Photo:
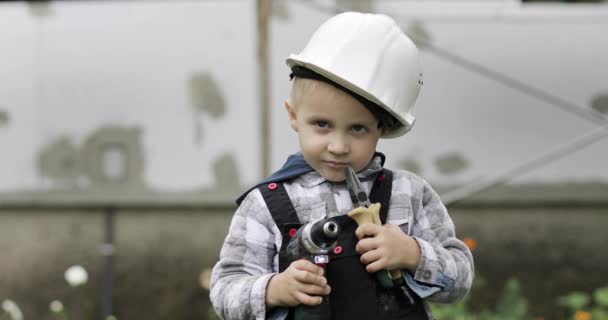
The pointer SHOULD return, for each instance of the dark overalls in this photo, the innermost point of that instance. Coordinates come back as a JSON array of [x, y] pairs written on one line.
[[355, 293]]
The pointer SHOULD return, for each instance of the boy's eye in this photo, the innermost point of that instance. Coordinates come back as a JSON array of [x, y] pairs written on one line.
[[359, 128], [321, 124]]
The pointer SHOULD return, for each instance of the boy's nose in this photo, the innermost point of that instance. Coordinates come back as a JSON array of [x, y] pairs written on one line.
[[338, 145]]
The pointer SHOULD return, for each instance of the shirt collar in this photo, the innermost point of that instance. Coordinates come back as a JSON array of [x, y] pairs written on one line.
[[313, 178]]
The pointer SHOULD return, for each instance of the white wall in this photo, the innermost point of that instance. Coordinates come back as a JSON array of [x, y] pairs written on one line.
[[86, 65]]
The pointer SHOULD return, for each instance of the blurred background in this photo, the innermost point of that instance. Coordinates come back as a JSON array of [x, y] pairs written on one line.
[[127, 129]]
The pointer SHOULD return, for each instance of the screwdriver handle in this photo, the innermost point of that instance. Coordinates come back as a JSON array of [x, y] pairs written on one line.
[[366, 215], [371, 214]]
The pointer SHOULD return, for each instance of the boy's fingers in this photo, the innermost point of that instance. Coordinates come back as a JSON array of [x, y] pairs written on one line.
[[365, 245], [367, 230], [374, 266], [306, 265], [311, 278], [308, 300], [315, 290], [370, 256], [319, 271]]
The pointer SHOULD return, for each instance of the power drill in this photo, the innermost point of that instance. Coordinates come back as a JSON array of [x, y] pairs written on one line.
[[313, 241]]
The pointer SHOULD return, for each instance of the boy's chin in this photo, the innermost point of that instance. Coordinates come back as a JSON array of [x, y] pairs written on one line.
[[333, 176]]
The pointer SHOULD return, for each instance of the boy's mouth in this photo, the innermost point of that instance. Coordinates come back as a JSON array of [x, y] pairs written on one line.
[[336, 164]]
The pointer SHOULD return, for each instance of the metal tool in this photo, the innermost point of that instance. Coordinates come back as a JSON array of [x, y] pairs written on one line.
[[366, 212]]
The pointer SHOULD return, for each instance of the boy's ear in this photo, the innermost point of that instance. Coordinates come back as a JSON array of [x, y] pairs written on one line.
[[292, 116], [383, 131]]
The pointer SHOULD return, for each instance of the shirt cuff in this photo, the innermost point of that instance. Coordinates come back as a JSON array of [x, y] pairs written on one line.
[[258, 296], [429, 271], [422, 290]]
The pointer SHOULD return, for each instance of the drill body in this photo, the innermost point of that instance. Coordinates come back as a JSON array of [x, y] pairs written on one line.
[[313, 241]]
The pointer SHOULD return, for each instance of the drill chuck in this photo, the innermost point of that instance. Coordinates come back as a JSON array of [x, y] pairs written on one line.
[[314, 238], [323, 234]]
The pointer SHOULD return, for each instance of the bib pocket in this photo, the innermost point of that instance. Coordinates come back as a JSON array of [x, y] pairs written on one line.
[[399, 215], [311, 211]]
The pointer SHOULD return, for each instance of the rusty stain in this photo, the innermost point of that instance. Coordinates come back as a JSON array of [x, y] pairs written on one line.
[[121, 143], [60, 161], [206, 95], [600, 103], [4, 118], [226, 173], [207, 98], [109, 157], [451, 163]]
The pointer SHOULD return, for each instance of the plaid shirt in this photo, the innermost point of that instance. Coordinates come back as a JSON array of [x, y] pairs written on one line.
[[249, 256]]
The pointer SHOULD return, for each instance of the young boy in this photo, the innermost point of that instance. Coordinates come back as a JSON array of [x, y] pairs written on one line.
[[354, 83]]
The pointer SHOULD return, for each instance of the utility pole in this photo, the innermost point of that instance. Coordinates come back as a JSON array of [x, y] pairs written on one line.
[[263, 17]]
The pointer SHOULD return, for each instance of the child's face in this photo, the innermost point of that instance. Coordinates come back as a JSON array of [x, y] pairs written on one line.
[[334, 130]]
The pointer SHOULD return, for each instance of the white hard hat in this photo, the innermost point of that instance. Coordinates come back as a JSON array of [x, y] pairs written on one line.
[[369, 55]]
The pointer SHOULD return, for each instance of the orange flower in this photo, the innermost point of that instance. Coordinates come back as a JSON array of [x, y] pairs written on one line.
[[471, 243], [582, 315]]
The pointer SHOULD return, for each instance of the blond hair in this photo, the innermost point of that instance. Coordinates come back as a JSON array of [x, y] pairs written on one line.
[[304, 86]]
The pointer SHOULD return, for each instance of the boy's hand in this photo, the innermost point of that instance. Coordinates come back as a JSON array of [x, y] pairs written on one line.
[[302, 282], [386, 247]]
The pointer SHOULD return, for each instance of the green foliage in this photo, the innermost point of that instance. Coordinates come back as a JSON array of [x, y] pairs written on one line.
[[574, 300], [584, 306], [510, 306], [600, 296], [211, 315]]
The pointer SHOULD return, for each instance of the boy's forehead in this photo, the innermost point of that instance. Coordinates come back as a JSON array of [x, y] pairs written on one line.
[[325, 98], [315, 89]]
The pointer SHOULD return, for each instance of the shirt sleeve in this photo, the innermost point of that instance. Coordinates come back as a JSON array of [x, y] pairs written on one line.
[[446, 262], [246, 262]]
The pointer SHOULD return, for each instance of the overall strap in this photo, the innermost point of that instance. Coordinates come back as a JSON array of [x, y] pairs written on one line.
[[279, 204], [284, 215], [381, 192]]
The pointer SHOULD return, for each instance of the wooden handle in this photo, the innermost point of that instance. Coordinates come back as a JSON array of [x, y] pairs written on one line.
[[372, 215], [366, 215]]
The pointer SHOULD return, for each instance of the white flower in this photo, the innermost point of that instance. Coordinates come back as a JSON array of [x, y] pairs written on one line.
[[111, 317], [56, 306], [76, 276], [10, 307]]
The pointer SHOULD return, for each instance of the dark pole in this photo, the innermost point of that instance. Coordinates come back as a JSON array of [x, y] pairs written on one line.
[[263, 17], [107, 251]]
